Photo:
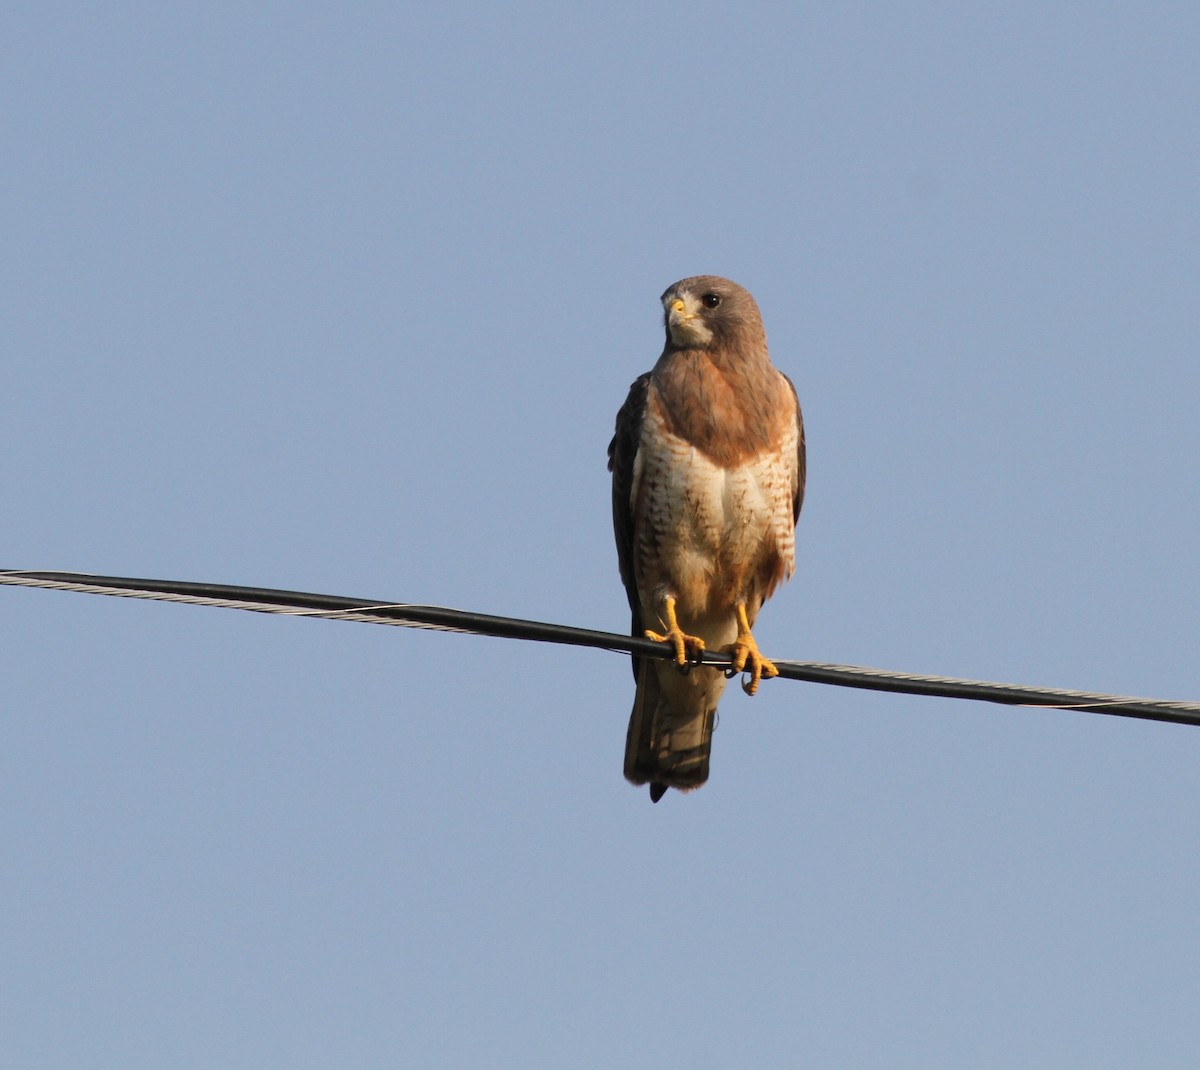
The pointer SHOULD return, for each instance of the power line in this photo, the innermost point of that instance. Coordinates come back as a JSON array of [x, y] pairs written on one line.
[[440, 618]]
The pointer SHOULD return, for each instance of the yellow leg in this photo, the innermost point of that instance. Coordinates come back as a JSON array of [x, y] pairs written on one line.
[[682, 643], [747, 655]]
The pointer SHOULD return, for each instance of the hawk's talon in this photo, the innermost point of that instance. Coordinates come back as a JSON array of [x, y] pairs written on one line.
[[747, 657], [688, 648]]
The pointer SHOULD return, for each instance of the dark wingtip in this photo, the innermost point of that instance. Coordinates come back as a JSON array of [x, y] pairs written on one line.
[[657, 791]]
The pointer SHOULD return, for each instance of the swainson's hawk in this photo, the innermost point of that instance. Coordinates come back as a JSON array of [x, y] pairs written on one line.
[[708, 477]]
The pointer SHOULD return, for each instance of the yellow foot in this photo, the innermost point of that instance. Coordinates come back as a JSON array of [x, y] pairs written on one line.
[[688, 648], [747, 656]]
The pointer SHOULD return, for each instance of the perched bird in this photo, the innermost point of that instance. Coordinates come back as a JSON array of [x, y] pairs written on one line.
[[708, 477]]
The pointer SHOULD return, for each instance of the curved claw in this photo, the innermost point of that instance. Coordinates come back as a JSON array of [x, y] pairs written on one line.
[[747, 657], [688, 648]]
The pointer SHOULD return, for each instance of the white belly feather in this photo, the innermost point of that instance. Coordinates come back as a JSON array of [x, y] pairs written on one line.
[[712, 530]]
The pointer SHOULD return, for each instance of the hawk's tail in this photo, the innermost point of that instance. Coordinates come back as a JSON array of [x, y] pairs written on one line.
[[671, 727]]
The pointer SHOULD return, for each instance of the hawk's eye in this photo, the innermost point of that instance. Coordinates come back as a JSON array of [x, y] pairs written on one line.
[[711, 300]]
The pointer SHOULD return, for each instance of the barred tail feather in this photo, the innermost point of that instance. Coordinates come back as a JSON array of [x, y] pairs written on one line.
[[671, 727]]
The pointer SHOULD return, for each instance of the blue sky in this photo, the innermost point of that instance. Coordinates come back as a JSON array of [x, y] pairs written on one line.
[[344, 298]]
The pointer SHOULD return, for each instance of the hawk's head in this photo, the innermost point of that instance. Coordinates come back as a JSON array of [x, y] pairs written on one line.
[[707, 312]]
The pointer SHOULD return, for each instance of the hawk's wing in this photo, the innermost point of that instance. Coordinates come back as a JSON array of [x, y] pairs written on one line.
[[622, 453], [801, 466]]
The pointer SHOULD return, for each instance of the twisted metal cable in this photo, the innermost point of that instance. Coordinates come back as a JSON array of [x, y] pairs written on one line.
[[440, 618]]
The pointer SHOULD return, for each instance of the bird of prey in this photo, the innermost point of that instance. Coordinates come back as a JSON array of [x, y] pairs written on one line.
[[708, 477]]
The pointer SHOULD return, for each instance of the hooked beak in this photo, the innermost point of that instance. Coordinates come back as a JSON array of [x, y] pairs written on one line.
[[684, 322], [678, 312]]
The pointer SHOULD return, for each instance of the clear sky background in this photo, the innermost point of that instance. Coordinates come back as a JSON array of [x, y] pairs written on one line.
[[344, 298]]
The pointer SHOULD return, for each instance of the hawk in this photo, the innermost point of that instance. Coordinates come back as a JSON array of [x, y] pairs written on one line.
[[708, 472]]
